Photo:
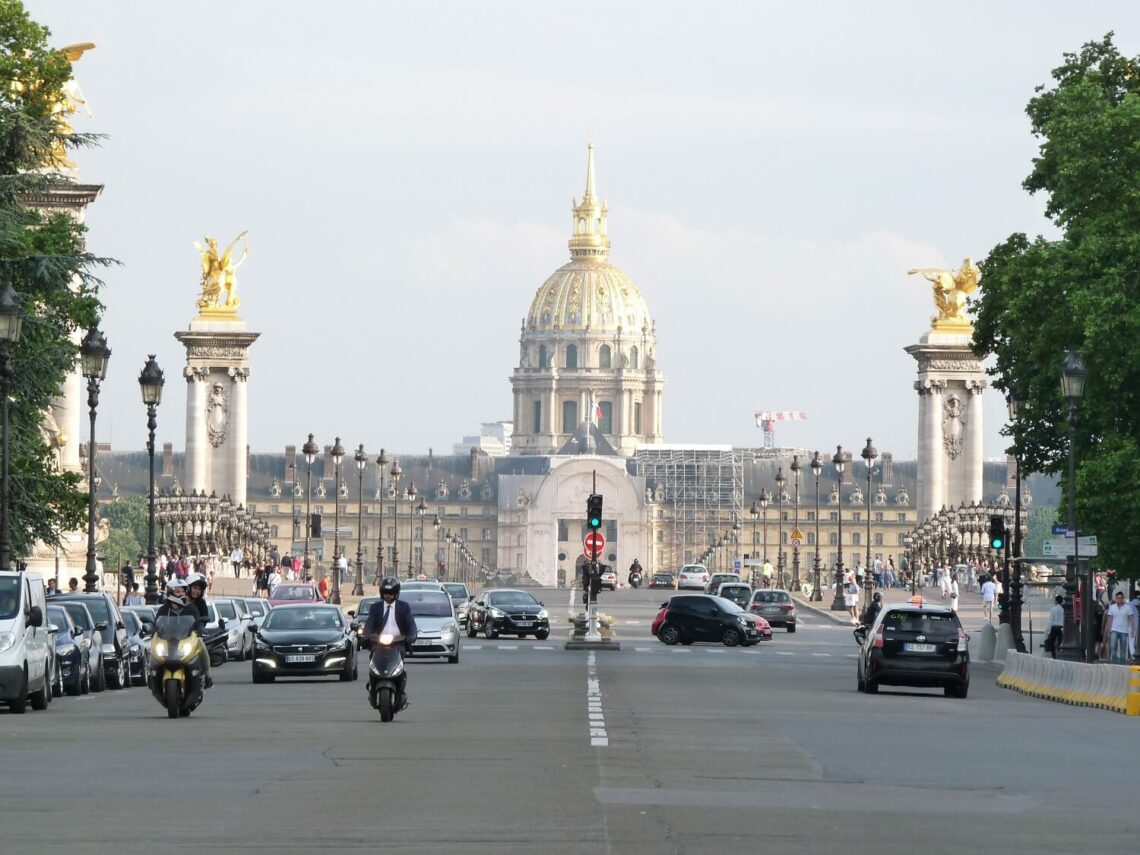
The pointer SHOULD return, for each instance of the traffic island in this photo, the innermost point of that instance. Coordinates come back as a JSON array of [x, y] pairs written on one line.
[[582, 639]]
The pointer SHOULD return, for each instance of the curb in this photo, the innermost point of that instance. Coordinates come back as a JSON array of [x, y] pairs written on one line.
[[824, 613]]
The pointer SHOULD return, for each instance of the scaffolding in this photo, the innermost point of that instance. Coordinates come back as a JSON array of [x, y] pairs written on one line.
[[702, 485]]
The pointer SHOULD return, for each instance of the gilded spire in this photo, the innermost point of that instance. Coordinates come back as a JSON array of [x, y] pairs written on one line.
[[588, 239]]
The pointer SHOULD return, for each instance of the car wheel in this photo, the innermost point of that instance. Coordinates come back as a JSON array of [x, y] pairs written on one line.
[[76, 687], [542, 635], [100, 679], [489, 630], [346, 674], [731, 637], [85, 678], [859, 684], [668, 634], [453, 660], [40, 699], [791, 627], [57, 688], [19, 704], [870, 687], [119, 678], [957, 691], [522, 635], [471, 631]]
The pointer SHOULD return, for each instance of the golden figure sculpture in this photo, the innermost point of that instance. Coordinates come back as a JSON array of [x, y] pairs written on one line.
[[219, 280], [64, 103], [950, 292]]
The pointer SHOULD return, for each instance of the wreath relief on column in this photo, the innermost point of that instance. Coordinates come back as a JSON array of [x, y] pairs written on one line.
[[217, 415], [952, 426]]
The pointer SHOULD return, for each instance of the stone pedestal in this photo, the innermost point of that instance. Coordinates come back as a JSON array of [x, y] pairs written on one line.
[[950, 385], [217, 371]]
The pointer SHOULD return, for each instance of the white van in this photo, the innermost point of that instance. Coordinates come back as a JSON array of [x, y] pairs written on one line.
[[25, 642]]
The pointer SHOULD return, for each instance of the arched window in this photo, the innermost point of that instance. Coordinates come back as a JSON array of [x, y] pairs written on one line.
[[571, 356], [634, 358], [543, 357], [605, 357]]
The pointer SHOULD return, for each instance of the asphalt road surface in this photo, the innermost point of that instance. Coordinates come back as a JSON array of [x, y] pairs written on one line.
[[525, 747]]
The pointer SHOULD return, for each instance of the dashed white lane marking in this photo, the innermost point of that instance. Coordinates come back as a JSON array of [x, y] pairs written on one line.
[[821, 654], [472, 646], [511, 646], [598, 736], [643, 649], [785, 653], [543, 647]]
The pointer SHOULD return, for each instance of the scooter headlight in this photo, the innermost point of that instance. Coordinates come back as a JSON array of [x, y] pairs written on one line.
[[160, 649], [185, 648], [387, 638]]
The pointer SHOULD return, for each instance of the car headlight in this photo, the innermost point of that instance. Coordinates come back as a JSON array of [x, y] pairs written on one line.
[[543, 614], [108, 650], [260, 646], [65, 651], [743, 619], [338, 645], [7, 639], [496, 613], [449, 628]]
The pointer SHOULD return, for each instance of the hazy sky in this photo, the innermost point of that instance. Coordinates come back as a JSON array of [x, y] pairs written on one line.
[[405, 172]]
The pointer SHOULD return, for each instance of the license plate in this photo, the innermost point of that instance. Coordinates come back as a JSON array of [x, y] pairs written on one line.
[[919, 648], [303, 657], [423, 643], [523, 622]]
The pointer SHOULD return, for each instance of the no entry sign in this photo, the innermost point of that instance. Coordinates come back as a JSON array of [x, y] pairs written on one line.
[[594, 543]]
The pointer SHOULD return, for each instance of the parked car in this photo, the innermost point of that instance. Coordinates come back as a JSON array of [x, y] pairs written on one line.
[[90, 641], [71, 652], [26, 645], [718, 579], [258, 608], [438, 631], [507, 611], [663, 580], [294, 592], [703, 617], [460, 599], [660, 619], [115, 643], [138, 661], [147, 614], [609, 579], [914, 645], [775, 606], [304, 640], [238, 620], [692, 576], [359, 617], [738, 592]]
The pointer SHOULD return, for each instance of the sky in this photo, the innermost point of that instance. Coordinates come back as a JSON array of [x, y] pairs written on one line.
[[405, 171]]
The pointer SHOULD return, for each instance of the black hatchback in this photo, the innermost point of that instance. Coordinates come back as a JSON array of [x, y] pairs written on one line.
[[115, 641], [914, 645], [701, 617]]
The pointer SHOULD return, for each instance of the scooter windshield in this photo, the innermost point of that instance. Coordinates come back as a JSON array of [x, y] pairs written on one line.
[[173, 628]]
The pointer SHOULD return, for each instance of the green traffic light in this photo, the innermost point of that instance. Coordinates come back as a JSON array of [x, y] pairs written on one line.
[[997, 543], [595, 522]]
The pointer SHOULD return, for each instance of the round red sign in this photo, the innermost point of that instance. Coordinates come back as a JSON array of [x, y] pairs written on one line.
[[594, 543]]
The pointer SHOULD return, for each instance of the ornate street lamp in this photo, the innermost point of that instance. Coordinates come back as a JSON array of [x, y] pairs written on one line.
[[93, 354], [310, 450], [11, 323], [816, 468], [840, 462], [1014, 400], [869, 453], [395, 475], [754, 512], [436, 525], [411, 496], [795, 467], [337, 454], [421, 509], [765, 498], [780, 481], [1073, 374], [361, 459], [908, 545], [151, 381], [381, 462], [449, 539]]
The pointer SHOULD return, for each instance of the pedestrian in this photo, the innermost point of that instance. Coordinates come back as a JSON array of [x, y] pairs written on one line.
[[342, 567], [877, 570], [953, 592], [52, 586], [274, 579], [989, 591], [851, 596], [72, 585], [1056, 626], [235, 559], [943, 582], [128, 574], [1121, 623], [323, 588], [133, 597]]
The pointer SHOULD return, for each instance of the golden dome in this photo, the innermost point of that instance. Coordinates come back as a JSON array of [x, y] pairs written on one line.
[[588, 293]]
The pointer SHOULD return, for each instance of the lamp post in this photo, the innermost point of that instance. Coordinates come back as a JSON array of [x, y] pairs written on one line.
[[780, 481], [908, 544], [309, 449], [869, 453], [1014, 400], [816, 468], [421, 509], [449, 539], [1073, 373], [337, 453], [151, 381], [437, 525], [735, 540], [839, 461], [765, 498], [361, 462], [395, 474], [381, 462], [93, 353], [754, 512], [11, 323], [410, 493], [795, 467]]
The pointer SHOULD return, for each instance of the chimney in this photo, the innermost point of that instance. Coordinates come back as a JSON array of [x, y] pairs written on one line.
[[887, 478], [474, 464], [290, 463], [328, 467], [1010, 471], [167, 460]]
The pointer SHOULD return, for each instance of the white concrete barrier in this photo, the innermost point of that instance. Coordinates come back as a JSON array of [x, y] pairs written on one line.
[[1109, 687]]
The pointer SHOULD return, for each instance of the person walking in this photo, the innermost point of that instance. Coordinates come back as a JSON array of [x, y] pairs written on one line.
[[133, 597], [851, 596], [953, 592], [1056, 626], [989, 591], [1121, 624], [236, 556]]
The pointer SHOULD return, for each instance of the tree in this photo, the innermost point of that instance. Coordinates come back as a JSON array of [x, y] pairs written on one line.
[[42, 255], [127, 517], [1081, 290]]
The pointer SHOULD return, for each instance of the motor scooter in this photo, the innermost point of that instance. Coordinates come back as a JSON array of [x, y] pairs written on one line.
[[635, 579], [385, 670], [177, 665]]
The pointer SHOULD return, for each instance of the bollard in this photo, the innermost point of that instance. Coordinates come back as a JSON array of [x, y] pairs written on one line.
[[1003, 643], [987, 638], [1132, 706]]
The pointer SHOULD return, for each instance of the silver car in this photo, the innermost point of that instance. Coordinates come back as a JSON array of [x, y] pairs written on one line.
[[435, 622], [258, 609], [693, 576], [239, 640], [460, 599]]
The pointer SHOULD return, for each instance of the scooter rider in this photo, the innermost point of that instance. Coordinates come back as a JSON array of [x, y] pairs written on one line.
[[872, 611], [393, 616], [635, 568], [196, 586]]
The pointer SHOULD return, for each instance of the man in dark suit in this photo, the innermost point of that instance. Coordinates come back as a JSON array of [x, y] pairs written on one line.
[[394, 616]]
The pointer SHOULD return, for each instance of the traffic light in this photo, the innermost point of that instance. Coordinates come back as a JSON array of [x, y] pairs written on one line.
[[594, 511], [997, 532]]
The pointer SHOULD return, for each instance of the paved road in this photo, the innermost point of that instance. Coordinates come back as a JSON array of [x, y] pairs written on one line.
[[524, 746]]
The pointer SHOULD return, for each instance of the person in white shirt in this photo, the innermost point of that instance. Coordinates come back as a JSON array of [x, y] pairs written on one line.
[[1122, 623], [1056, 626], [953, 592], [989, 591]]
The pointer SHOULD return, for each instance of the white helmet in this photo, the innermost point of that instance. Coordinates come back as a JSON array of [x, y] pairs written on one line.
[[196, 579]]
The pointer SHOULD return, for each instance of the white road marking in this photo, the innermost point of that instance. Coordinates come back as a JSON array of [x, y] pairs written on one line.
[[510, 646], [543, 647], [821, 654], [472, 646], [598, 736]]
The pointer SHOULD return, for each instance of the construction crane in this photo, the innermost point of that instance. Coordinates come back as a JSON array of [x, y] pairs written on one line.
[[766, 419]]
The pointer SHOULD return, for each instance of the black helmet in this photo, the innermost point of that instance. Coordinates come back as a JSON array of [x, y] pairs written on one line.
[[878, 598], [390, 585]]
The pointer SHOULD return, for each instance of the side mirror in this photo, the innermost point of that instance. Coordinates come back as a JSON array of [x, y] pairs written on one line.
[[470, 598], [221, 623], [119, 625], [252, 629], [76, 632], [35, 616], [860, 635], [51, 627], [351, 613], [101, 626], [541, 603]]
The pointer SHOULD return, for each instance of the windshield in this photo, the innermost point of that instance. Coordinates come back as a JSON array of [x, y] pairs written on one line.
[[728, 605], [693, 568], [132, 623], [80, 615], [456, 590], [770, 597], [927, 622], [145, 613], [173, 628], [428, 603], [303, 619], [226, 610], [98, 608], [365, 605], [9, 596], [511, 598], [293, 592]]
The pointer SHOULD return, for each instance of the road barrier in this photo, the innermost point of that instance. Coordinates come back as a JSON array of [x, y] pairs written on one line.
[[1106, 687]]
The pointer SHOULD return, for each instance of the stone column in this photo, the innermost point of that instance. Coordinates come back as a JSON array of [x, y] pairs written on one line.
[[931, 453], [974, 439], [196, 443], [239, 436]]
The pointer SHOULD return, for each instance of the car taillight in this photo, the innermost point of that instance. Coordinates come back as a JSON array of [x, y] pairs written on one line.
[[787, 607], [962, 646], [705, 577], [878, 638]]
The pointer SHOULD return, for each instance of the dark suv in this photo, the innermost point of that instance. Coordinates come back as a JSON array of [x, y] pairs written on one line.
[[718, 579], [914, 645], [116, 643], [700, 617]]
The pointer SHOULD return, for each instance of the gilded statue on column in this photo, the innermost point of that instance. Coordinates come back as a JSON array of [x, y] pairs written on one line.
[[64, 103], [219, 280], [951, 290]]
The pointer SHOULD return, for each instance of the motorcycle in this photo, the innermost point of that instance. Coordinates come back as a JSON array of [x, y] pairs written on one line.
[[177, 670], [216, 645], [384, 670], [635, 579]]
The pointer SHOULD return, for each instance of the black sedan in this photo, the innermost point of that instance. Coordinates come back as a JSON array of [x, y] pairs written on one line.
[[90, 641], [359, 618], [74, 662], [914, 645], [304, 640], [663, 580], [139, 649], [115, 646], [509, 612]]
